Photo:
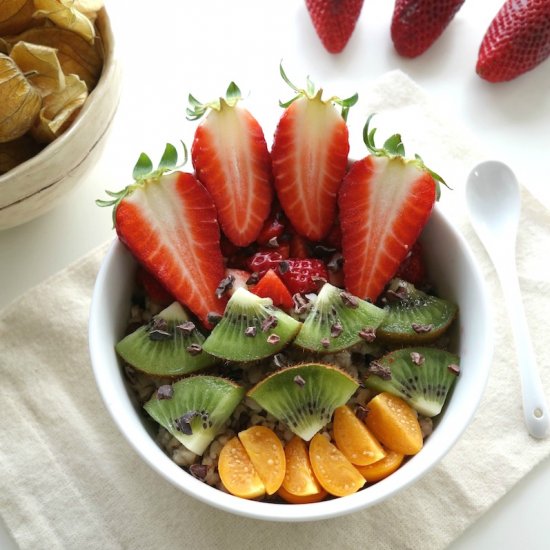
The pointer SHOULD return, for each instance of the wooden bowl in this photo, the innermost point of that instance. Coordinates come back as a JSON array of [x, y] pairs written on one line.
[[40, 183]]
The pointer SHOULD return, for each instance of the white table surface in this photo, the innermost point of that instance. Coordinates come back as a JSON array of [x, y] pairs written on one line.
[[182, 46]]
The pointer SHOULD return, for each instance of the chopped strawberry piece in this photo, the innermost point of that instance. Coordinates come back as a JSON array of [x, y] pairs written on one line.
[[299, 247], [234, 279], [156, 292], [302, 275], [412, 268], [271, 286], [310, 154], [169, 224], [272, 229], [262, 261], [231, 159]]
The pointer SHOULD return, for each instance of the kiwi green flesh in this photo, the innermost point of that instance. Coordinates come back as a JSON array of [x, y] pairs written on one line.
[[204, 402], [161, 348], [304, 396], [416, 318], [251, 328], [336, 321], [424, 386]]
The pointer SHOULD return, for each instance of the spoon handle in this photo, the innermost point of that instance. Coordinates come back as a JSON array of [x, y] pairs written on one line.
[[535, 408]]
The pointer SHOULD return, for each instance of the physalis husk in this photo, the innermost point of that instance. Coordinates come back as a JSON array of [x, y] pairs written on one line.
[[15, 16], [17, 151], [66, 16], [75, 54], [20, 101], [59, 110], [41, 65]]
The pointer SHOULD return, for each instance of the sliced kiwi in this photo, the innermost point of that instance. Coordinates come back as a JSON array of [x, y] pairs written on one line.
[[304, 396], [414, 317], [337, 321], [169, 345], [194, 410], [251, 328], [421, 376]]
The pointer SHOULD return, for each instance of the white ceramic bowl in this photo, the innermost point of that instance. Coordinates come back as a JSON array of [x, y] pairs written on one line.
[[40, 183], [458, 277]]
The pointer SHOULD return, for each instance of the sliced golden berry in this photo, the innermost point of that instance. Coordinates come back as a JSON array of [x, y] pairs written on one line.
[[237, 472], [382, 468], [394, 423], [336, 474], [267, 455], [354, 439]]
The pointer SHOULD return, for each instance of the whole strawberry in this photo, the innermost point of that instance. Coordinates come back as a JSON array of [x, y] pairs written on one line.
[[417, 24], [517, 40], [334, 21]]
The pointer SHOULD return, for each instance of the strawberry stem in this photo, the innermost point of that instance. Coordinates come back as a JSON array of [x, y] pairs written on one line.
[[311, 93], [143, 172], [197, 109], [394, 148]]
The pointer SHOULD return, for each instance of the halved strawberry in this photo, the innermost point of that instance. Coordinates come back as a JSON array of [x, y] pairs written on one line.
[[309, 154], [232, 161], [271, 286], [169, 224], [385, 201]]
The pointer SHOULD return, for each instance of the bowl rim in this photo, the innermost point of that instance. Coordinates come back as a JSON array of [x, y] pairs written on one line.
[[155, 457], [110, 67]]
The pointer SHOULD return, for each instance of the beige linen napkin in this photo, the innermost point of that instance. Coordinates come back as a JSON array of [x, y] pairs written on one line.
[[69, 480]]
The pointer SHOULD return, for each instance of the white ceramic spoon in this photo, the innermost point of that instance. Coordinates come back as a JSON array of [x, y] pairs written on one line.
[[494, 203]]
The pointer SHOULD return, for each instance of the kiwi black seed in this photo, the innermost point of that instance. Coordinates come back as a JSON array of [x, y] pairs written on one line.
[[196, 409], [304, 396], [170, 345], [421, 376], [337, 321], [251, 328], [414, 317]]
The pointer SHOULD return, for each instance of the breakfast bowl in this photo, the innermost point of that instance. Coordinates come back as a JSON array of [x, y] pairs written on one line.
[[38, 184], [456, 276]]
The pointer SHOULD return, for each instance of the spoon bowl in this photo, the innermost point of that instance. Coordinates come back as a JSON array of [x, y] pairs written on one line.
[[494, 205]]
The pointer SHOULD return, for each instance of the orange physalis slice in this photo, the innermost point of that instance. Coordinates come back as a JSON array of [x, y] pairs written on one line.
[[336, 474], [237, 472], [267, 455], [354, 439], [383, 468], [299, 484], [394, 423]]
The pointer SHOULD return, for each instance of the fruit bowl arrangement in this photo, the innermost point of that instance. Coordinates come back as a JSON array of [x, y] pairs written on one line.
[[284, 333]]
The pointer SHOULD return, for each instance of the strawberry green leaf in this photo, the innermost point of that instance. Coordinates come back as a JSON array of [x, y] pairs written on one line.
[[233, 93], [143, 167], [394, 146], [169, 158]]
